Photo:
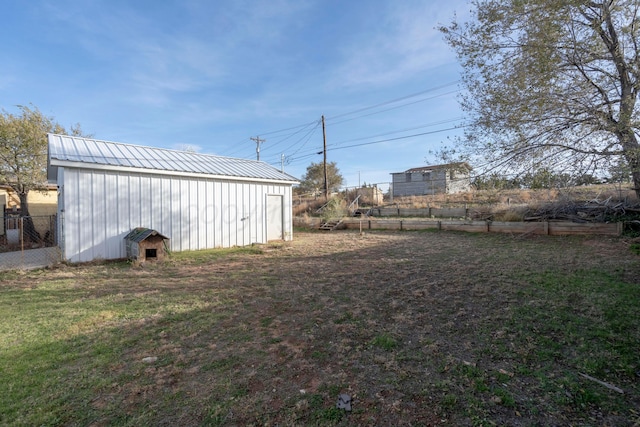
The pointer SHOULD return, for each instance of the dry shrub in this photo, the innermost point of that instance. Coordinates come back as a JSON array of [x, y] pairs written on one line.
[[509, 216], [467, 197], [417, 202], [300, 208], [496, 202], [307, 206], [525, 196], [504, 200], [335, 208], [552, 194]]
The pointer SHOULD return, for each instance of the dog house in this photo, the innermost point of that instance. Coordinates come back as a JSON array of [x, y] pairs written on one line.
[[144, 244]]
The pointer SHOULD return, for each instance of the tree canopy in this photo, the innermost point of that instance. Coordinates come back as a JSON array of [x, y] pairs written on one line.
[[313, 179], [550, 84], [23, 150]]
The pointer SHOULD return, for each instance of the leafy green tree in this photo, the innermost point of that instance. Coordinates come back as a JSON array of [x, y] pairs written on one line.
[[313, 180], [545, 178], [551, 84], [495, 181], [23, 154], [587, 179]]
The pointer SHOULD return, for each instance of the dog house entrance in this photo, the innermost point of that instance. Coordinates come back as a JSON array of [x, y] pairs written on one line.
[[150, 253]]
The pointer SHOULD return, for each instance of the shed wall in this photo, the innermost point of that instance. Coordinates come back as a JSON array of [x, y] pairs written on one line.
[[99, 207]]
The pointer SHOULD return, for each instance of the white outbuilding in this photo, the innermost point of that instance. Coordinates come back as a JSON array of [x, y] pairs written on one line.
[[198, 201]]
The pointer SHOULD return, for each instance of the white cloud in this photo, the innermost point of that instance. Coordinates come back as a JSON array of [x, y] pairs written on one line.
[[158, 69], [404, 43], [143, 60], [187, 147]]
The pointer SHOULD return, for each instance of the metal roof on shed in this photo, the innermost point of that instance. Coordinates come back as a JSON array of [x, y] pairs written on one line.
[[84, 152]]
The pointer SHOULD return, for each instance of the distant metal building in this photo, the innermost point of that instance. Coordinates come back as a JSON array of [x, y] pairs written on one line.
[[437, 179], [198, 201]]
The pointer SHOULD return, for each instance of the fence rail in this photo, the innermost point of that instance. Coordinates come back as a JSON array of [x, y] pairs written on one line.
[[542, 228], [426, 212]]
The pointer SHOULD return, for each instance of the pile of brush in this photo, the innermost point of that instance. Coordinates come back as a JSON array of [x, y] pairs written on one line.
[[595, 210]]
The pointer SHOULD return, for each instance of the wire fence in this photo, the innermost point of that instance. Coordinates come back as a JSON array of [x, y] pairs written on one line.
[[28, 242]]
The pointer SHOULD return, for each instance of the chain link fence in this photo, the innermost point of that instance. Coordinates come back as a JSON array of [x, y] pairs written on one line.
[[28, 242]]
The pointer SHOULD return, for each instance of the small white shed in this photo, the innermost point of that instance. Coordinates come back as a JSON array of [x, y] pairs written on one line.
[[198, 201]]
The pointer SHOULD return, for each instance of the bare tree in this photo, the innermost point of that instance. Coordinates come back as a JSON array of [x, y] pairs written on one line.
[[550, 84]]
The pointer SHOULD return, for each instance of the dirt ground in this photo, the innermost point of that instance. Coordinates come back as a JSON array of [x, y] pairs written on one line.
[[419, 328], [411, 325]]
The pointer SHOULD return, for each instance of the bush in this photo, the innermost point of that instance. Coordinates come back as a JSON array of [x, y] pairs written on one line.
[[335, 208]]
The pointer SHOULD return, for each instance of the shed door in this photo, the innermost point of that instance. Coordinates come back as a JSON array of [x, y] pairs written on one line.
[[274, 217]]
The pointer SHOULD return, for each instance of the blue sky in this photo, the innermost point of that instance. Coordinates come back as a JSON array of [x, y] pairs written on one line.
[[209, 75]]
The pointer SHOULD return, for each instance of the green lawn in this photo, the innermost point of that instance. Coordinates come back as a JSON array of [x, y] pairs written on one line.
[[420, 328]]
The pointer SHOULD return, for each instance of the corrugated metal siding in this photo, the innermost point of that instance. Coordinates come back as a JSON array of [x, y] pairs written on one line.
[[100, 207], [87, 152]]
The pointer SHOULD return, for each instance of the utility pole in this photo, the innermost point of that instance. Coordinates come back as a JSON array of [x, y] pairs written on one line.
[[258, 141], [282, 163], [324, 142]]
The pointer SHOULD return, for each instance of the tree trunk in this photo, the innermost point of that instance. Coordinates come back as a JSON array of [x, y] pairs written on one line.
[[631, 149], [635, 178], [29, 232]]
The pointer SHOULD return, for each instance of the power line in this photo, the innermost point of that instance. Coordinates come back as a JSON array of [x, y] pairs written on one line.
[[395, 108], [306, 139], [441, 122], [396, 139], [384, 140], [290, 128], [336, 145], [394, 100], [309, 132], [239, 146], [305, 157], [280, 136], [359, 110]]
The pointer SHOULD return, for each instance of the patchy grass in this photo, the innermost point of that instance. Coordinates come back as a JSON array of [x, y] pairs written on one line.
[[384, 341], [419, 328]]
